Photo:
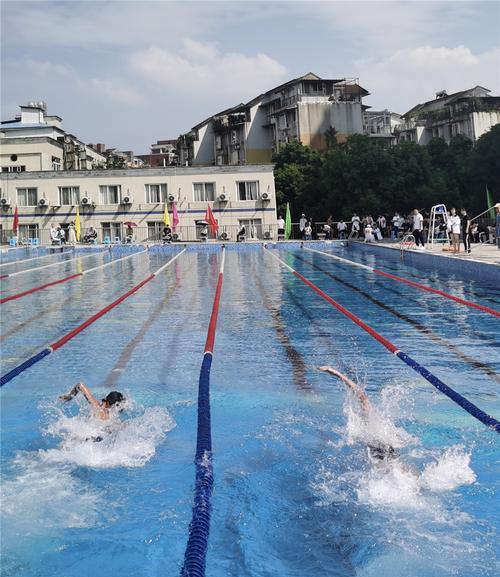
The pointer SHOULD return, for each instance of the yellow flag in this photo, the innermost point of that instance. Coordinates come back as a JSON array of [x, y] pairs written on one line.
[[78, 226], [166, 216]]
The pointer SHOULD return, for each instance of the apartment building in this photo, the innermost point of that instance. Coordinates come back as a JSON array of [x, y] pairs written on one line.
[[36, 141], [381, 125], [106, 200], [470, 112], [303, 109]]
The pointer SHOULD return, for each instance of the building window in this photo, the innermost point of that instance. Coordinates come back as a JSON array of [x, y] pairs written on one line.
[[110, 194], [14, 168], [253, 227], [204, 191], [154, 229], [27, 196], [248, 190], [69, 195], [156, 193], [111, 231], [28, 231], [56, 163]]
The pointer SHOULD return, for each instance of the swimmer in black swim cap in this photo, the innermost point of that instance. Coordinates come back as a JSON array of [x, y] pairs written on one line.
[[100, 409], [377, 451]]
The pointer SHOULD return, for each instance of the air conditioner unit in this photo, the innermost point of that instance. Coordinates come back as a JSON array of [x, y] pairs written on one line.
[[43, 202], [222, 198], [224, 236], [268, 235], [176, 236], [127, 199], [265, 196], [171, 198], [86, 201], [5, 201]]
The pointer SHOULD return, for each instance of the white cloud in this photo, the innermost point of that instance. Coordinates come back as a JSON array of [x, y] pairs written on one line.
[[203, 69], [412, 76]]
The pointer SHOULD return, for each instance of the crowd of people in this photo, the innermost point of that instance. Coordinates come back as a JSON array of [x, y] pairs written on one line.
[[455, 228]]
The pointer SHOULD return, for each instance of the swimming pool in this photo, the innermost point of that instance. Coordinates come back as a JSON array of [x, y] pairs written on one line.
[[295, 493]]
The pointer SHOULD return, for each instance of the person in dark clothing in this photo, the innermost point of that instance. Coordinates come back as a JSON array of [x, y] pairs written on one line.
[[166, 235], [465, 225]]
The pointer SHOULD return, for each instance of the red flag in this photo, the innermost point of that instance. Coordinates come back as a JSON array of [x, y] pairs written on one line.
[[210, 218], [15, 222]]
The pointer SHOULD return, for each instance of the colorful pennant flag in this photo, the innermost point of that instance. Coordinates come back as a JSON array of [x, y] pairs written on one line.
[[78, 225], [210, 218], [175, 216], [288, 222], [15, 222], [166, 216]]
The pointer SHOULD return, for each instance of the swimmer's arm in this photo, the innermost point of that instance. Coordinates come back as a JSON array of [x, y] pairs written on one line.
[[363, 399], [82, 388]]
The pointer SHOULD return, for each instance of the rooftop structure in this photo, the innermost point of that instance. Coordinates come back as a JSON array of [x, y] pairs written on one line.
[[35, 140]]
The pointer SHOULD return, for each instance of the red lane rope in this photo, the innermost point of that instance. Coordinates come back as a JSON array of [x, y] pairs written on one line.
[[39, 288], [209, 343], [4, 276], [382, 340], [438, 292], [57, 344]]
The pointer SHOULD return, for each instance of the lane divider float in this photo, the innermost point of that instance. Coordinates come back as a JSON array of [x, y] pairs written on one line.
[[414, 284], [22, 260], [58, 263], [199, 528], [431, 378], [67, 337], [67, 278]]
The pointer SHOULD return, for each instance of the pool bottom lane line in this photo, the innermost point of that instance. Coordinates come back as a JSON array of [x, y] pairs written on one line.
[[412, 283], [199, 528], [431, 378], [63, 340]]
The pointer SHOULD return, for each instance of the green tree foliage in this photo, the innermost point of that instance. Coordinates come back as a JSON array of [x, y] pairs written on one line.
[[367, 177]]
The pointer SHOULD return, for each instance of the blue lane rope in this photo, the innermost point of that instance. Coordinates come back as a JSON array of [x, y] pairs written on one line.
[[199, 528], [23, 366], [449, 392]]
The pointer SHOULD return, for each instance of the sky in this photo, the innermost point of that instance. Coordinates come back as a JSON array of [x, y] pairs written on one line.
[[129, 73]]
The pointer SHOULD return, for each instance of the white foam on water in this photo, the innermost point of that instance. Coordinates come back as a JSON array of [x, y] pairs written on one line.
[[124, 443], [41, 491]]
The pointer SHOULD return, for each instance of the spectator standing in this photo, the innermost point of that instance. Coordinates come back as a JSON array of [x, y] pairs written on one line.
[[71, 234], [281, 227], [396, 224], [61, 233], [328, 231], [418, 228], [382, 223], [368, 230], [302, 225], [341, 227], [355, 225], [454, 225], [308, 231], [54, 235], [465, 222]]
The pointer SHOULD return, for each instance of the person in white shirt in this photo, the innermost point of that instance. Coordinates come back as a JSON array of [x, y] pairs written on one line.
[[308, 231], [54, 235], [281, 227], [369, 233], [355, 222], [382, 223], [341, 227], [418, 228], [396, 225], [454, 228]]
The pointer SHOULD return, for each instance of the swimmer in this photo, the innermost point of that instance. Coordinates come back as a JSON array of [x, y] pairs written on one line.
[[99, 409], [377, 451]]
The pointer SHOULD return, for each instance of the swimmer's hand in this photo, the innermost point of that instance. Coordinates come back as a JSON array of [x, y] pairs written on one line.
[[74, 391], [329, 369]]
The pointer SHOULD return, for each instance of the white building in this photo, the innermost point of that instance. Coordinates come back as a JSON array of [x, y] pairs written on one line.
[[106, 199], [303, 109], [381, 124], [469, 112], [36, 141]]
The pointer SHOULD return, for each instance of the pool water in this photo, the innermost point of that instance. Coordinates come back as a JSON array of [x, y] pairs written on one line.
[[296, 492]]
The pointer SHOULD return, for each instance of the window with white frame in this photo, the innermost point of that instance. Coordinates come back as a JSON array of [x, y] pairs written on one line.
[[154, 229], [204, 191], [28, 231], [27, 196], [17, 168], [69, 195], [248, 190], [156, 193], [56, 163], [110, 194], [111, 231]]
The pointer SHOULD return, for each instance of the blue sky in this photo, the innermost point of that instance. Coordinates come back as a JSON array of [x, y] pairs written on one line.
[[130, 73]]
